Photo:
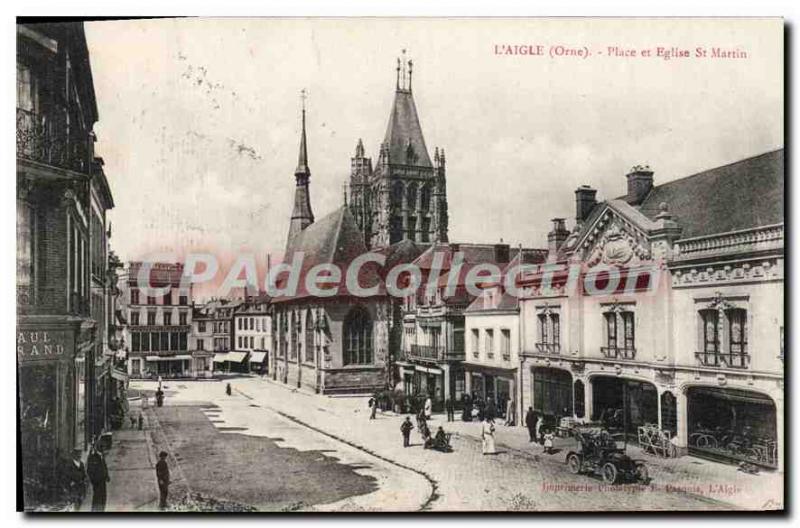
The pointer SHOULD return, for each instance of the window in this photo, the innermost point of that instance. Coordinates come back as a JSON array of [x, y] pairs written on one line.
[[134, 296], [710, 320], [201, 326], [151, 300], [611, 330], [239, 341], [737, 332], [134, 318], [252, 341], [425, 236], [136, 341], [357, 338], [151, 318], [200, 344], [25, 230], [628, 330], [145, 341], [476, 336], [620, 334], [489, 341], [425, 198], [183, 300], [182, 318], [239, 324], [167, 318], [168, 298], [505, 343], [723, 337]]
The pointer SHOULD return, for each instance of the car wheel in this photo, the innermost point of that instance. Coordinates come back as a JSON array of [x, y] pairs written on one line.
[[609, 473], [574, 463], [641, 473]]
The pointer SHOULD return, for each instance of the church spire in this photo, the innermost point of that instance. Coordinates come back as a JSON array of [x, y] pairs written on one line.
[[302, 216]]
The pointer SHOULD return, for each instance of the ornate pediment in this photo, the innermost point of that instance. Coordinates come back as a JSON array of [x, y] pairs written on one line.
[[614, 241]]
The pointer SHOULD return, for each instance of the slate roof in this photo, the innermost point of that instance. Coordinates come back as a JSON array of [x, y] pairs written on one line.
[[403, 128], [333, 239], [742, 195]]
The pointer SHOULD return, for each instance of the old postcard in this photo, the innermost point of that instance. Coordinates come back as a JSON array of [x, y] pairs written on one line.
[[400, 265]]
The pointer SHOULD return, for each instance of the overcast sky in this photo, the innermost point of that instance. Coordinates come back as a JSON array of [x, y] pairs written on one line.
[[199, 119]]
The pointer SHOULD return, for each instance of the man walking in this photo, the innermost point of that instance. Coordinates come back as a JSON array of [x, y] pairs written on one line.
[[530, 422], [162, 475], [448, 405], [373, 407], [76, 480], [406, 428], [98, 476]]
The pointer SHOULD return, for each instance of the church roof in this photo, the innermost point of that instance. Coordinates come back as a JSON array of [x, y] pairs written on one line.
[[333, 239], [742, 195], [404, 130]]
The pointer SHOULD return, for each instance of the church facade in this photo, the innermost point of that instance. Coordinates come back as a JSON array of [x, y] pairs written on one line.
[[341, 343]]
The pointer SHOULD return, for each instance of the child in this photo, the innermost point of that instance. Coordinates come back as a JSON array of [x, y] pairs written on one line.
[[548, 442]]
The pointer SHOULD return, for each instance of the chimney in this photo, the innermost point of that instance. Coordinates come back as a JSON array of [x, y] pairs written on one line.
[[502, 253], [584, 202], [640, 181], [556, 237]]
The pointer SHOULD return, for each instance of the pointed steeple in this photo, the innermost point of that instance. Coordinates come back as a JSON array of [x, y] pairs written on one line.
[[302, 216], [404, 140]]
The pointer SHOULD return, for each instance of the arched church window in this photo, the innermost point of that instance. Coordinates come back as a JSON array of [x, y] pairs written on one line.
[[397, 194], [425, 198], [309, 337], [411, 196], [357, 342]]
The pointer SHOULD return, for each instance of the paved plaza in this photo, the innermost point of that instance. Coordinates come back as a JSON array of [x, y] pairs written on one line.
[[269, 447]]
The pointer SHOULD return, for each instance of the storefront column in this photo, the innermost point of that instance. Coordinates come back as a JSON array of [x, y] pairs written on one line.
[[588, 398], [446, 388], [682, 419]]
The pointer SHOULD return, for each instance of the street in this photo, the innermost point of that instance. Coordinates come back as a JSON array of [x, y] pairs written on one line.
[[269, 447]]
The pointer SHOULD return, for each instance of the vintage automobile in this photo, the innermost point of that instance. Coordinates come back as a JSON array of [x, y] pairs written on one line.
[[598, 453]]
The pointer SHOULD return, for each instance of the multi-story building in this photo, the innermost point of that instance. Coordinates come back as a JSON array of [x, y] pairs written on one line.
[[432, 358], [213, 334], [62, 256], [491, 358], [159, 314], [695, 344], [252, 332]]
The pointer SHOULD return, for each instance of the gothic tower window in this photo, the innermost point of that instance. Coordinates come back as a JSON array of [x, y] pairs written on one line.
[[425, 198], [411, 196], [357, 341]]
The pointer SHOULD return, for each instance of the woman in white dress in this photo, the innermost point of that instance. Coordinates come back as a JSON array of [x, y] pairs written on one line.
[[487, 433], [428, 408]]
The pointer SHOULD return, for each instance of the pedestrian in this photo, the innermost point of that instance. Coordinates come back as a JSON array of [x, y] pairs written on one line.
[[98, 476], [141, 421], [510, 415], [539, 437], [373, 407], [530, 422], [162, 475], [466, 412], [490, 411], [406, 428], [133, 420], [228, 389], [487, 434], [448, 405], [75, 473], [548, 442], [428, 408]]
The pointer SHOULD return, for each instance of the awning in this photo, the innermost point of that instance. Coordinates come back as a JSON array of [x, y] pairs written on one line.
[[429, 370], [258, 357], [119, 375], [236, 357], [735, 395], [168, 358]]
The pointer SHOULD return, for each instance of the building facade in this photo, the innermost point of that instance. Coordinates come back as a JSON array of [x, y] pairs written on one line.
[[63, 305], [252, 332], [159, 313], [697, 346]]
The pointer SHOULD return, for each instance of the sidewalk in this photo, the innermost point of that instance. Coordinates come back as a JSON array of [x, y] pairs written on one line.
[[131, 467]]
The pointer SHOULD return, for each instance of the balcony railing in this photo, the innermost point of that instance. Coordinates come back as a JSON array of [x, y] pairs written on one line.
[[618, 353], [719, 359], [434, 353], [548, 348], [47, 138]]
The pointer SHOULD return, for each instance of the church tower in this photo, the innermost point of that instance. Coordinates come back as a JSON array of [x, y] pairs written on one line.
[[404, 197], [302, 216]]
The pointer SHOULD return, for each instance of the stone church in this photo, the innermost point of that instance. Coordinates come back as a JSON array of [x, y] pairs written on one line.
[[342, 343]]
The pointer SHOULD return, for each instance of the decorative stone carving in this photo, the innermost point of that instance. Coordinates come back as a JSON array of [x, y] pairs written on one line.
[[617, 245]]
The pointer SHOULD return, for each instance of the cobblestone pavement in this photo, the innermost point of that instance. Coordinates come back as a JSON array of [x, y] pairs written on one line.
[[518, 478]]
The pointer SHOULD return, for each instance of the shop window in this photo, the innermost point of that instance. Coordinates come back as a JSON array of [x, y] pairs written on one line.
[[580, 399], [357, 338], [552, 393]]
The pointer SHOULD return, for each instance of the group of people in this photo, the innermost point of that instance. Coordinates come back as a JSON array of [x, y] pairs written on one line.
[[477, 409], [537, 432], [440, 441]]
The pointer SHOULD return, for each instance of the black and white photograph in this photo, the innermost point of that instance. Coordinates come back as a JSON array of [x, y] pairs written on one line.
[[434, 264]]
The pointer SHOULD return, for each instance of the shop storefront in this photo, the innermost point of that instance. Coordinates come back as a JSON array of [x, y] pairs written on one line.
[[732, 425], [231, 361], [168, 366], [492, 384], [49, 421], [552, 393], [623, 404]]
